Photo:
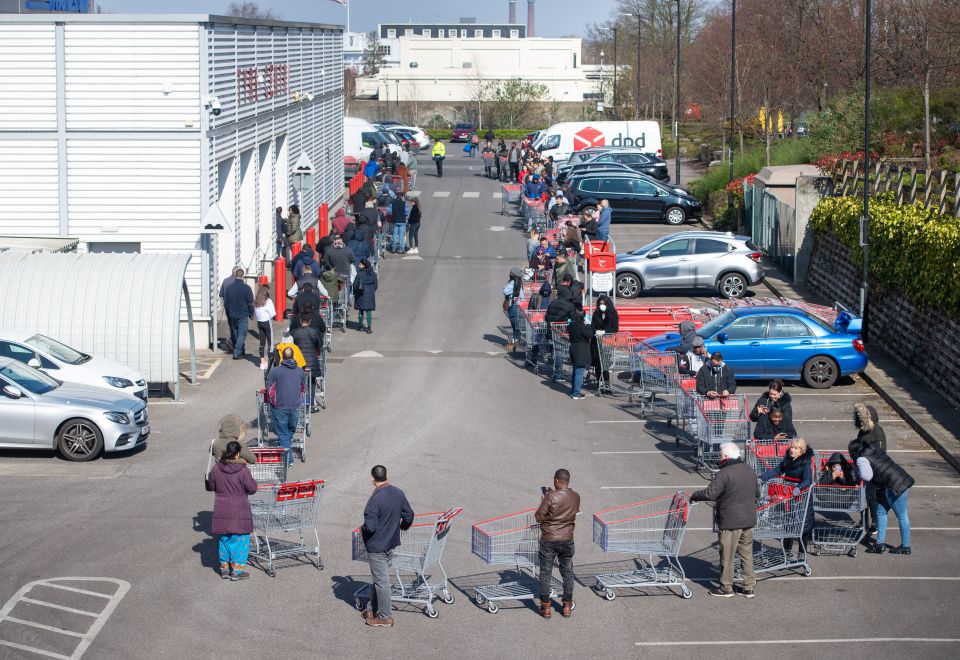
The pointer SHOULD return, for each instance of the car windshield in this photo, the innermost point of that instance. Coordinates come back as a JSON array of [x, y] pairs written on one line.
[[649, 246], [61, 352], [29, 379], [390, 137], [709, 329], [463, 126]]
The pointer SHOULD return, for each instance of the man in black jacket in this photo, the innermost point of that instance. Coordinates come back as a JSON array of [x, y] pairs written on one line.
[[386, 513], [559, 311], [238, 304], [735, 491], [715, 378]]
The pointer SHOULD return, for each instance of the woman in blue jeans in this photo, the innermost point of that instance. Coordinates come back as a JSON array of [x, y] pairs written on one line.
[[580, 335], [893, 485]]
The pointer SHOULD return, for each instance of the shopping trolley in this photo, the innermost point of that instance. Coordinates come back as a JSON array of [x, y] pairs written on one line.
[[341, 307], [510, 194], [717, 421], [781, 516], [536, 336], [840, 525], [647, 529], [763, 455], [617, 356], [290, 508], [560, 336], [509, 540], [320, 380], [326, 309], [298, 444], [421, 548], [657, 371], [264, 417], [487, 158]]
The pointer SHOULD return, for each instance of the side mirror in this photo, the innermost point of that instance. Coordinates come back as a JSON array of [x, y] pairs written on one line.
[[653, 254], [34, 362], [722, 337], [12, 392]]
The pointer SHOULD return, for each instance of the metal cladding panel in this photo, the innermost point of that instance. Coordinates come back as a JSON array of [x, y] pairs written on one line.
[[129, 77], [123, 307], [145, 190], [28, 77], [28, 188]]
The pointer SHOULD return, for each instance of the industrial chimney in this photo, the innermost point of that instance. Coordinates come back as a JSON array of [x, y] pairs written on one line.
[[530, 32], [513, 12]]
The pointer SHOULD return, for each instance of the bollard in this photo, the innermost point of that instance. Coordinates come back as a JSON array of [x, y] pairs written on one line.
[[280, 287], [323, 225], [263, 280], [312, 238], [295, 250]]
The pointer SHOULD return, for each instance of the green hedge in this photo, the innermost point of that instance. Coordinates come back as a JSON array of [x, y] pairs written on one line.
[[912, 248], [445, 133]]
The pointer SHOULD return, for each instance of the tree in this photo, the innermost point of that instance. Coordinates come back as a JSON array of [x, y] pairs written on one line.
[[251, 9], [349, 87], [513, 101], [374, 57]]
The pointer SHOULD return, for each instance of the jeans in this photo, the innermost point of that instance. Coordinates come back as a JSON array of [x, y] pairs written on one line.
[[380, 593], [887, 500], [399, 236], [513, 313], [576, 380], [234, 549], [285, 421], [413, 234], [740, 542], [562, 550], [238, 334]]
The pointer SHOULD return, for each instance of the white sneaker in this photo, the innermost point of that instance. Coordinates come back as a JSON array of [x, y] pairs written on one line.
[[414, 251], [263, 364]]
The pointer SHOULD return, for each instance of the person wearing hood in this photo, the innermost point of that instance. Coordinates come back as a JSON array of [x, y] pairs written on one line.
[[563, 266], [735, 491], [688, 330], [232, 429], [342, 224], [330, 282], [534, 188], [307, 260], [870, 440], [796, 466], [580, 334], [604, 320], [571, 290], [358, 246], [837, 471], [365, 295], [294, 233], [696, 358], [541, 298], [774, 425], [716, 378], [773, 399], [285, 384], [413, 225], [232, 519]]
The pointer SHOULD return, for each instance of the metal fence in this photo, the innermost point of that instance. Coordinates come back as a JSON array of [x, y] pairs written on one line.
[[773, 226]]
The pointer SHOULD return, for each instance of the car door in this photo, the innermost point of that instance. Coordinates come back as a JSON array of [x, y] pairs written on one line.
[[669, 269], [19, 416], [706, 260], [614, 189], [647, 196], [790, 342], [743, 343]]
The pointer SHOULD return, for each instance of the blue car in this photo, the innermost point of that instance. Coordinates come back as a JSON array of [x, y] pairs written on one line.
[[782, 342]]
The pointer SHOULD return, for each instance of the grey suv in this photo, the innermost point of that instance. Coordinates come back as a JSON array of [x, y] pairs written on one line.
[[691, 260]]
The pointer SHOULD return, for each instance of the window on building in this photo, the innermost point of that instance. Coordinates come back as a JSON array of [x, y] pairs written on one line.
[[391, 33], [478, 34], [408, 32], [386, 50], [110, 246], [496, 34], [441, 33], [427, 32], [463, 34], [351, 42], [514, 34]]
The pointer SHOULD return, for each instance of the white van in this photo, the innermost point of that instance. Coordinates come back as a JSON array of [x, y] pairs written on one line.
[[360, 137], [561, 140]]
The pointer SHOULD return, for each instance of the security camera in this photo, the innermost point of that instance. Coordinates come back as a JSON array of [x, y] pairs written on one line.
[[213, 103]]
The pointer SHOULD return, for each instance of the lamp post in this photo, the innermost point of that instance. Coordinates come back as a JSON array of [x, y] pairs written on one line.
[[639, 43], [600, 103], [615, 70], [733, 92], [865, 219], [676, 108]]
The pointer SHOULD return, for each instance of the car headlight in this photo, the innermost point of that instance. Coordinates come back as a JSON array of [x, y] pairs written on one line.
[[118, 382], [117, 417]]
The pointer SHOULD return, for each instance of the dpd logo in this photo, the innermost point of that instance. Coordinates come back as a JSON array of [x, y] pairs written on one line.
[[587, 137]]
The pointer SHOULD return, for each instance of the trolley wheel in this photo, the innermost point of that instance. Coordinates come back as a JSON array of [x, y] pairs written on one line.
[[807, 571], [319, 564], [815, 551], [685, 592], [609, 594], [358, 604], [432, 612], [271, 571], [447, 597], [852, 552], [479, 599], [323, 403], [492, 607]]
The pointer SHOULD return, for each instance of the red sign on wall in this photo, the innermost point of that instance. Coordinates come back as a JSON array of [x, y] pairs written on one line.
[[265, 82]]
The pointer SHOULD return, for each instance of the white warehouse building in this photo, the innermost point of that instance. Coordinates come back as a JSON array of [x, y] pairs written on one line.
[[131, 132]]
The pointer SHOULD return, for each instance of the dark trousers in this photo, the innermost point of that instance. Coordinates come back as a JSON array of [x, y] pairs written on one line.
[[871, 513], [514, 172], [563, 551], [595, 359], [265, 330], [439, 162], [413, 234]]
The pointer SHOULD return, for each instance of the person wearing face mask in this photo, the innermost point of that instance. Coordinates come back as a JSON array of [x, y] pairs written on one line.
[[604, 321], [716, 379]]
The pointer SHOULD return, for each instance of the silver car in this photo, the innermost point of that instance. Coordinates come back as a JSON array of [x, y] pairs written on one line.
[[691, 260], [40, 412]]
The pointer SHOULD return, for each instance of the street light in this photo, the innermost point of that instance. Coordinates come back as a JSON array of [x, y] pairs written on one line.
[[676, 108], [865, 220], [639, 40], [615, 69], [600, 103], [733, 93]]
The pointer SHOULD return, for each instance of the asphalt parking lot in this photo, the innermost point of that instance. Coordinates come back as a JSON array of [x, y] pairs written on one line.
[[432, 396]]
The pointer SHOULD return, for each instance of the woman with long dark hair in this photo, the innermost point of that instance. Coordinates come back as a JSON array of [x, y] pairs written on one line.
[[232, 520]]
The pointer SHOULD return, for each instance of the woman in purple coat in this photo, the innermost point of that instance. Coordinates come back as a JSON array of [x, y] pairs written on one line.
[[232, 520]]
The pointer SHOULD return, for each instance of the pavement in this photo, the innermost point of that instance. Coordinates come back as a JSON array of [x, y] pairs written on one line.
[[431, 395]]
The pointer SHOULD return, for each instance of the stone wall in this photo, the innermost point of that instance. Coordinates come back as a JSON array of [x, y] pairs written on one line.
[[925, 341]]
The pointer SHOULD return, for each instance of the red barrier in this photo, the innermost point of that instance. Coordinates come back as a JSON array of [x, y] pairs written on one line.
[[263, 280], [295, 249], [312, 238], [280, 287], [324, 223]]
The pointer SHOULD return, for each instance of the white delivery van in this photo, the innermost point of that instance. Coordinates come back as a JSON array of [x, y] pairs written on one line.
[[561, 140], [360, 137]]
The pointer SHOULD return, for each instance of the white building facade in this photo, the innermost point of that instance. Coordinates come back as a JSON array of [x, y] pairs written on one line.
[[126, 132]]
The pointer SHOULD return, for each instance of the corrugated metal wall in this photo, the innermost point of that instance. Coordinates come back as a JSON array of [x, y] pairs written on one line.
[[29, 202], [28, 77]]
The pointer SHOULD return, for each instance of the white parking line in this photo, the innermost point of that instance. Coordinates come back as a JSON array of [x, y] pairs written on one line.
[[85, 637], [498, 195], [471, 194], [647, 451], [821, 640], [441, 193]]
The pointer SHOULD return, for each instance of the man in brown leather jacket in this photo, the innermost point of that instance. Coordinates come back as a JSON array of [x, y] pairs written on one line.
[[557, 516]]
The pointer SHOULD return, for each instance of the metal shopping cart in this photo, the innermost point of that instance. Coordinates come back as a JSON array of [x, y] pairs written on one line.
[[839, 527], [717, 421], [264, 417], [763, 455], [487, 157], [510, 194], [658, 376], [618, 356], [341, 308], [560, 336], [421, 549], [647, 529], [509, 540], [298, 444], [781, 516], [289, 509], [536, 336], [326, 309]]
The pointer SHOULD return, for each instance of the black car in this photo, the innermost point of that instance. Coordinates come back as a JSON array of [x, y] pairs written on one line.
[[633, 196], [635, 160]]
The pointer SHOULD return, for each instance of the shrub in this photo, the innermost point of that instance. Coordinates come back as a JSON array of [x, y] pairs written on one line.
[[913, 249], [782, 152]]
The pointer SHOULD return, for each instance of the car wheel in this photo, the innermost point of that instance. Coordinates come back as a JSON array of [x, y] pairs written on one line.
[[79, 440], [628, 285], [676, 216], [820, 372], [732, 285]]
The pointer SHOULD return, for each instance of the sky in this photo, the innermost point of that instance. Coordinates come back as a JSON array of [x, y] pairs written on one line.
[[554, 18]]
